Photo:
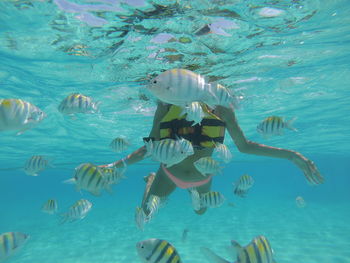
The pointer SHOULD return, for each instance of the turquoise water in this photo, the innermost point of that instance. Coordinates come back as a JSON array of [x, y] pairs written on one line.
[[293, 64]]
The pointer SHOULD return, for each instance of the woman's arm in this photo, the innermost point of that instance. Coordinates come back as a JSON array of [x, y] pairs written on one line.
[[140, 153], [245, 146]]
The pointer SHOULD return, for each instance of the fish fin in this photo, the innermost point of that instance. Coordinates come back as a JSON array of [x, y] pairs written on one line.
[[97, 105], [70, 181], [236, 246], [212, 256], [109, 189], [196, 199], [21, 132], [63, 218], [95, 193], [289, 124]]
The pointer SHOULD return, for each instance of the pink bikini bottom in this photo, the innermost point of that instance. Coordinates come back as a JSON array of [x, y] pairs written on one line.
[[182, 184]]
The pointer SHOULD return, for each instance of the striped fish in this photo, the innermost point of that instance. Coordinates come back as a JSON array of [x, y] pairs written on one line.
[[257, 251], [10, 242], [78, 103], [222, 152], [17, 114], [35, 164], [90, 178], [77, 211], [168, 151], [194, 112], [157, 251], [275, 125], [243, 184], [207, 166], [210, 199], [300, 202], [186, 146], [119, 145], [180, 87], [50, 207]]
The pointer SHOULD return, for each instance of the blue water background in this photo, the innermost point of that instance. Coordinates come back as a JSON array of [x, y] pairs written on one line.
[[294, 66]]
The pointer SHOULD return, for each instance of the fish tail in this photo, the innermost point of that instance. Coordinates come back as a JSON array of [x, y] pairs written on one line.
[[289, 124], [212, 256], [63, 218], [69, 181], [97, 106]]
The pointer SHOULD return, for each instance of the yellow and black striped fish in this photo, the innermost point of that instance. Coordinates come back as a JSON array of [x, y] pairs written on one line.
[[77, 211], [35, 164], [274, 125], [78, 103], [157, 251], [210, 199], [207, 166], [243, 184], [50, 206], [119, 144], [90, 178], [169, 151], [257, 251], [10, 242], [17, 114]]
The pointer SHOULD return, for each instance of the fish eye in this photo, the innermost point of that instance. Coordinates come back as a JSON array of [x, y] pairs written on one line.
[[154, 82]]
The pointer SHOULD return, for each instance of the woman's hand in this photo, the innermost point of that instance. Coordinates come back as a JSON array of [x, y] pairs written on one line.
[[310, 170]]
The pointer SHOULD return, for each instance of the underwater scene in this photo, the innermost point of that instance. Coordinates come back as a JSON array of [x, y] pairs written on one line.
[[174, 131]]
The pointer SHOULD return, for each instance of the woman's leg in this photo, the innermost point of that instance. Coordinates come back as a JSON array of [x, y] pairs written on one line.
[[157, 184], [205, 188]]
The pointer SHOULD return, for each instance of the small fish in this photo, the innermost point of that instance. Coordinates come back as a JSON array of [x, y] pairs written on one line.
[[11, 242], [243, 184], [275, 125], [50, 207], [89, 177], [180, 87], [257, 251], [77, 211], [207, 166], [184, 235], [20, 115], [186, 146], [78, 103], [168, 151], [210, 199], [222, 152], [300, 202], [194, 112], [157, 251], [119, 145], [35, 164]]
